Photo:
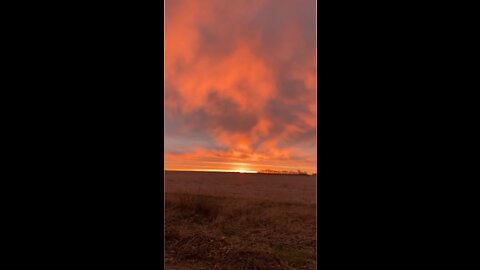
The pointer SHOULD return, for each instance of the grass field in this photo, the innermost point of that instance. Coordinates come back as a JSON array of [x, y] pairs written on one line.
[[234, 232], [281, 188]]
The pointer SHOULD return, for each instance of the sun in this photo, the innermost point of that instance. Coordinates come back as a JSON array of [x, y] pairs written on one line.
[[244, 171]]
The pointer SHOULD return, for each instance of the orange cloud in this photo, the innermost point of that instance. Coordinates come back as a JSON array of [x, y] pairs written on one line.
[[240, 83]]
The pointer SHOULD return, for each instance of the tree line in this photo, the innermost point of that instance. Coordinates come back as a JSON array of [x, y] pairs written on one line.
[[297, 172]]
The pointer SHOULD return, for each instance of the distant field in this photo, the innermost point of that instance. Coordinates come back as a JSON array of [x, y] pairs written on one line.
[[239, 221], [281, 188]]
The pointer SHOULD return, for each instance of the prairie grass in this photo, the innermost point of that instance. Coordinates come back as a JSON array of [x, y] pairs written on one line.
[[207, 232]]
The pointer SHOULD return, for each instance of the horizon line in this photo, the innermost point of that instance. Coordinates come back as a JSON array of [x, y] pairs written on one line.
[[230, 171]]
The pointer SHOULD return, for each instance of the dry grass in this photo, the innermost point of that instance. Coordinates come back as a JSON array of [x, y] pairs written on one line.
[[206, 232], [200, 207], [280, 188]]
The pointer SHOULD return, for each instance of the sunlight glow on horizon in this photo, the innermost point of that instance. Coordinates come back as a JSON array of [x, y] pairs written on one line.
[[214, 170]]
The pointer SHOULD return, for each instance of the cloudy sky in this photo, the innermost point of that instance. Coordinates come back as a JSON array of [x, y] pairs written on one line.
[[240, 89]]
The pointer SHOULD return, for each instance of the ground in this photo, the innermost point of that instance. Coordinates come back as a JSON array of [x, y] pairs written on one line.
[[238, 232]]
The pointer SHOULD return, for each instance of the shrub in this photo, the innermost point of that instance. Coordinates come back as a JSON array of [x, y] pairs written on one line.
[[199, 206]]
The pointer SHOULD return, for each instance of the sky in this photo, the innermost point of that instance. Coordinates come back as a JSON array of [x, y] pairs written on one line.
[[240, 85]]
